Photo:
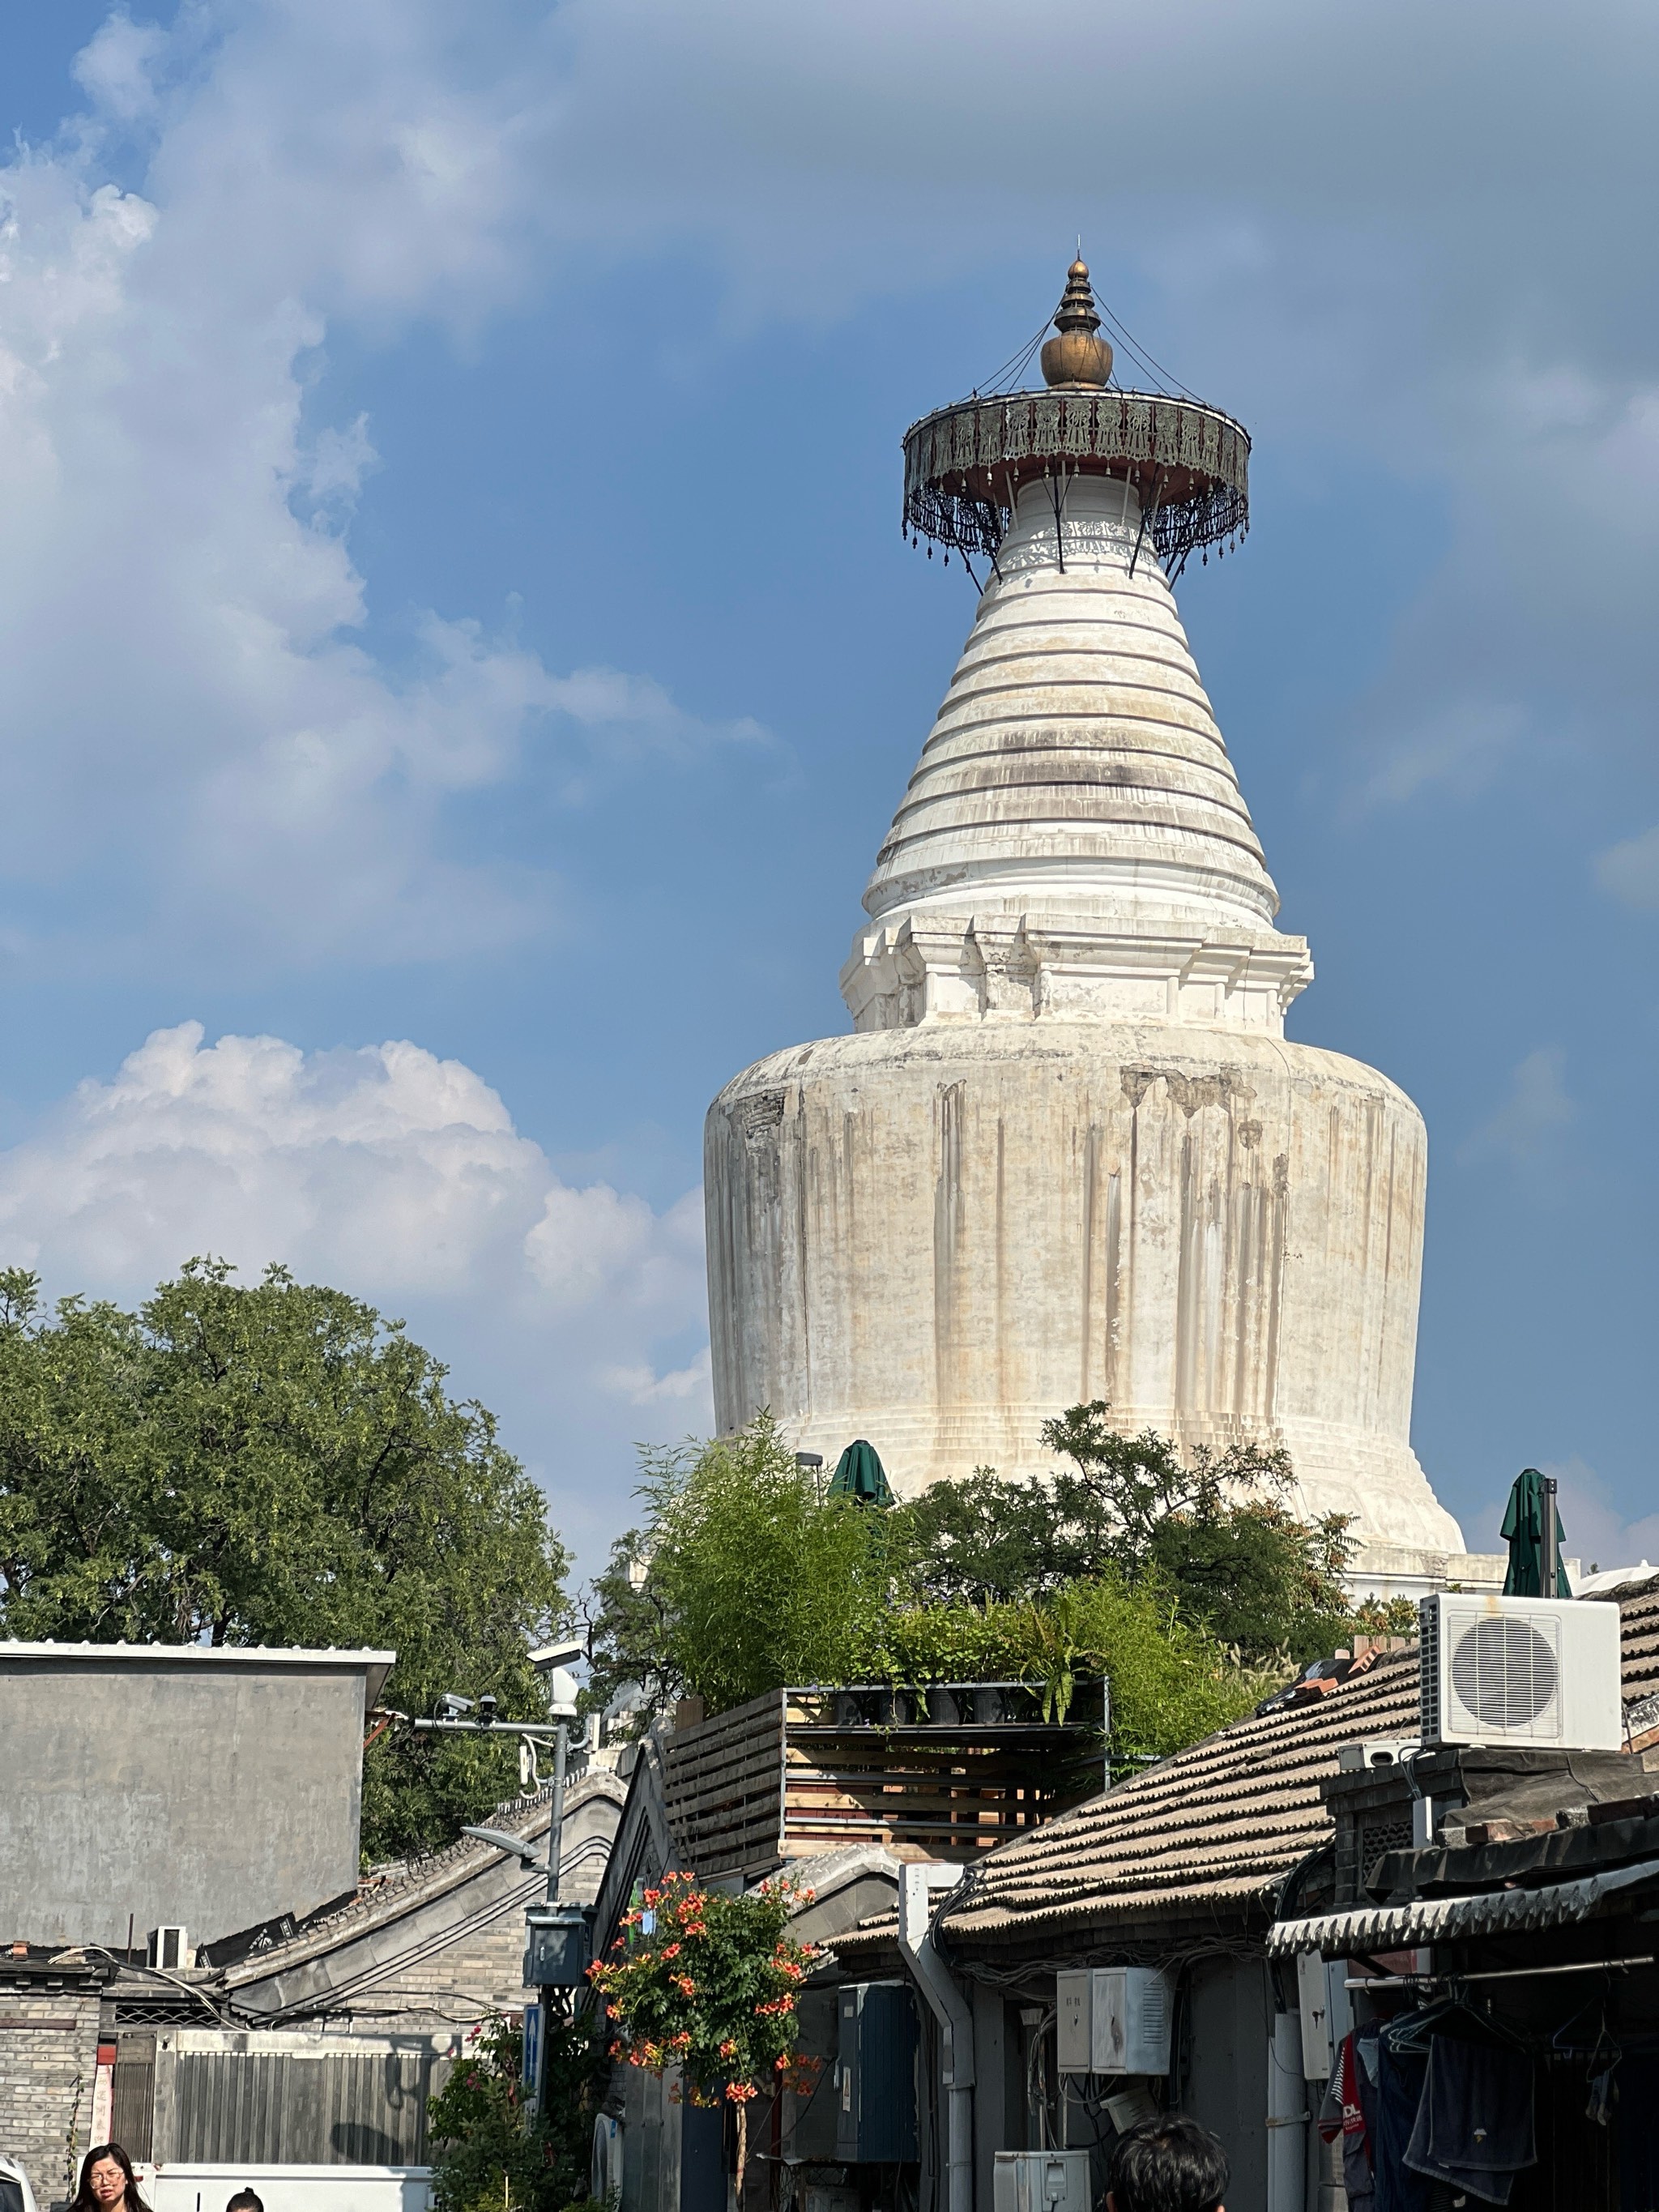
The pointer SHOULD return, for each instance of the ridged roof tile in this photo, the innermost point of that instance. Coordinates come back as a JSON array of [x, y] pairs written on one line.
[[1222, 1823]]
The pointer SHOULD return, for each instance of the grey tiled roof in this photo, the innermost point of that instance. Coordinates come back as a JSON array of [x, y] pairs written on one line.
[[1208, 1834], [388, 1892]]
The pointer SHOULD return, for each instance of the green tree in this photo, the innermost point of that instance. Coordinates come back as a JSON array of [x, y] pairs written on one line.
[[485, 2156], [275, 1464], [1212, 1527], [741, 1580], [1259, 1579]]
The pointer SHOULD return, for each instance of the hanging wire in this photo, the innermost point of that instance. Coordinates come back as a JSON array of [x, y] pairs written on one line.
[[1144, 359], [1008, 378]]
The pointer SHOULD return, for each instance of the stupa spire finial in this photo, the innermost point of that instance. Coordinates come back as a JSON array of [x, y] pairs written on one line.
[[1077, 355]]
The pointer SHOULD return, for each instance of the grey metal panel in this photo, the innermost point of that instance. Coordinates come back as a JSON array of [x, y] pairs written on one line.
[[339, 2108], [1230, 2017], [132, 2113]]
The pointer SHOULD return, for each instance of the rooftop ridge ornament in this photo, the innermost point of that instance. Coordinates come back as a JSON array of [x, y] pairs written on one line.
[[1189, 464]]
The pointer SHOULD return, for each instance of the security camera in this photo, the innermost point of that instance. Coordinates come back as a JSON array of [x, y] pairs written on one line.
[[450, 1707], [486, 1709]]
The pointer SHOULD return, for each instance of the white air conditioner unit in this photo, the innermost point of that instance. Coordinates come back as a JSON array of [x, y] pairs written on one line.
[[1113, 2020], [1375, 1751], [168, 1948], [1521, 1670]]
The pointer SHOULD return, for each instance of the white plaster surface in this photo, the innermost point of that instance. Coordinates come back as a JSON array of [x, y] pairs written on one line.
[[1074, 840], [1068, 1152]]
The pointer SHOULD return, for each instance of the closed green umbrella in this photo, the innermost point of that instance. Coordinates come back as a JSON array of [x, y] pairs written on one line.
[[858, 1474], [1524, 1518]]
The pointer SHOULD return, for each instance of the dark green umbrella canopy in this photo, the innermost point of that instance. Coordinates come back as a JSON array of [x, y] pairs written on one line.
[[1523, 1532], [858, 1474]]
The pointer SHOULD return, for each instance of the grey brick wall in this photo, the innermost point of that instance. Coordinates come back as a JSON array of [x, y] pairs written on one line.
[[48, 2060], [482, 1972]]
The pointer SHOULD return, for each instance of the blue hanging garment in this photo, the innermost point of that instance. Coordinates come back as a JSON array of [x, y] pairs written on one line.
[[1475, 2125]]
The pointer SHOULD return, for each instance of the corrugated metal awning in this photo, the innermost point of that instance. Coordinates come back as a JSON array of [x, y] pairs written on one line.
[[1448, 1919]]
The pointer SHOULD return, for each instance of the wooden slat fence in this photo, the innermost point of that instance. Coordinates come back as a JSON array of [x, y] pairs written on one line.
[[798, 1772]]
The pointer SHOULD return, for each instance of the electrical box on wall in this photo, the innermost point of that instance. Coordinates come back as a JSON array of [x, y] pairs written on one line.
[[1040, 2181], [1073, 2050], [1327, 2011], [1113, 2020], [555, 1948], [875, 2074]]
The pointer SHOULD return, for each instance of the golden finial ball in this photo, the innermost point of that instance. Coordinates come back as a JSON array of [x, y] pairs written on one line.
[[1076, 354]]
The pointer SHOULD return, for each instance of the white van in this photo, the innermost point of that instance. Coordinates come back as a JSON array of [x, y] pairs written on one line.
[[15, 2195]]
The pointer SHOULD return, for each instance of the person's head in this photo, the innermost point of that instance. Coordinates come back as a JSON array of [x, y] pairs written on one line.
[[106, 2182], [1167, 2165], [246, 2201]]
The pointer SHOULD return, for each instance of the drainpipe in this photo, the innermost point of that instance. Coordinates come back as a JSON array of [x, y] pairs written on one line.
[[1288, 2095], [954, 2015]]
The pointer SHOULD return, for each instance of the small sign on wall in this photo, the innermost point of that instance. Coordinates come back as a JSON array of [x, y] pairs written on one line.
[[533, 2048]]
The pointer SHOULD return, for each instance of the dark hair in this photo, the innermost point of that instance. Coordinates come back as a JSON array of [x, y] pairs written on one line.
[[1168, 2165], [84, 2200], [246, 2201]]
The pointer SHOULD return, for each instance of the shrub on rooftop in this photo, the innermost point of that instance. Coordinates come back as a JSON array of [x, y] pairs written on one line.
[[1187, 1581]]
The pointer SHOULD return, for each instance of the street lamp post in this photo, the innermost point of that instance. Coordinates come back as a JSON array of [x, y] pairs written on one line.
[[556, 1933]]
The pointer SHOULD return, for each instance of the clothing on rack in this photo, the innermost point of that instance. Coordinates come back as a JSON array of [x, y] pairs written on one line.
[[1473, 2128], [1342, 2114], [1401, 2073]]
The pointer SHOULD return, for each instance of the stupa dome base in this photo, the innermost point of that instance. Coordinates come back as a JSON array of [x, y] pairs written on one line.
[[940, 1237]]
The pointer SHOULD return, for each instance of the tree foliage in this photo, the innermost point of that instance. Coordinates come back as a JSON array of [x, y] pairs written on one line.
[[274, 1464], [485, 2155], [741, 1579], [1214, 1528], [707, 1981]]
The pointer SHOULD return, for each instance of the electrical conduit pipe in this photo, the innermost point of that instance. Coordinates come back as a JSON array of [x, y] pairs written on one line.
[[954, 2015]]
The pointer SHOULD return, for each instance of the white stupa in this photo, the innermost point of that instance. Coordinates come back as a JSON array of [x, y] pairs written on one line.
[[1068, 1152]]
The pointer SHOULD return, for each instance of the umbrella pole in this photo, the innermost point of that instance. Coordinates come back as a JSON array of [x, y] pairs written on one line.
[[1551, 1576]]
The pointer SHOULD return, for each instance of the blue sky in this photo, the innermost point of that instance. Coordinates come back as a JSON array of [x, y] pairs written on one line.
[[456, 649]]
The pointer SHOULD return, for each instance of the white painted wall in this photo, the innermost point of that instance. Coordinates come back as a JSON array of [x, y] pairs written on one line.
[[938, 1237], [171, 2188]]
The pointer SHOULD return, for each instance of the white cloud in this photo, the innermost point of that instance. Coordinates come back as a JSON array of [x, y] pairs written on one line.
[[1536, 1110], [1459, 744], [193, 729], [187, 701], [1418, 282], [691, 1387], [401, 1176], [1630, 870]]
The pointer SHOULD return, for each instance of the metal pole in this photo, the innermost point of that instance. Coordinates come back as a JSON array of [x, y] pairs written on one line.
[[555, 1825], [1551, 1541]]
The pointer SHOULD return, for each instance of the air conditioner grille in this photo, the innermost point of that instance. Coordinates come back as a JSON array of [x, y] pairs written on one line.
[[1505, 1673], [1428, 1615]]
